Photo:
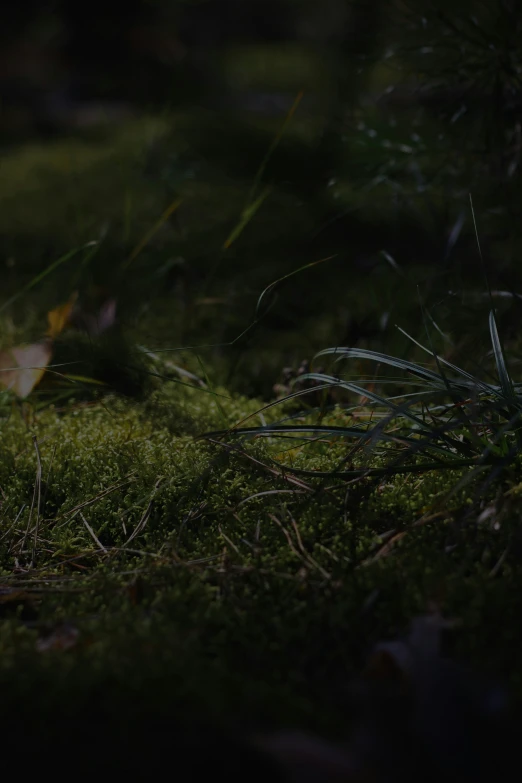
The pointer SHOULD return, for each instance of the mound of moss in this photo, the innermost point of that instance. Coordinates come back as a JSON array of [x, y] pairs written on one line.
[[146, 569]]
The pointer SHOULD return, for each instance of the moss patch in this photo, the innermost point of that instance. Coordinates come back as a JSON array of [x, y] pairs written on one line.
[[210, 582]]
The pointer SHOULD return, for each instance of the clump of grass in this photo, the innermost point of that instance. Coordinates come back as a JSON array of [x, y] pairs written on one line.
[[450, 417]]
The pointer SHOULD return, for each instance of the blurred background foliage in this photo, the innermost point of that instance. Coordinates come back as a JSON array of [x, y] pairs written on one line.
[[108, 116]]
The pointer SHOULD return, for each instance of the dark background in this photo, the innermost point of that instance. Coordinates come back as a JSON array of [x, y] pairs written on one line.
[[407, 109]]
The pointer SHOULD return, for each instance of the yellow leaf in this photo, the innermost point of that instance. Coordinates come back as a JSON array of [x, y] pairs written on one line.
[[60, 316], [22, 368]]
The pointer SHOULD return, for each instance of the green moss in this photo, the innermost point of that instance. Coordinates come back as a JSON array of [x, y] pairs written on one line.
[[214, 569]]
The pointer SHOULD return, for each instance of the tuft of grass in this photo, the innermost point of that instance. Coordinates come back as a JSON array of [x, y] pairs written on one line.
[[450, 419]]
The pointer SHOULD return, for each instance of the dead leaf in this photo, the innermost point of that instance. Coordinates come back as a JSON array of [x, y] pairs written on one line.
[[22, 368], [60, 316]]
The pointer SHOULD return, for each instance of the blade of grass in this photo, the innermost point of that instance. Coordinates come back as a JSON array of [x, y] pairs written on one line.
[[254, 202], [385, 471], [246, 216], [151, 232], [473, 381], [401, 364], [274, 145], [488, 286], [361, 391], [504, 376], [272, 286], [296, 431], [47, 271], [258, 315], [456, 396], [253, 324], [169, 378]]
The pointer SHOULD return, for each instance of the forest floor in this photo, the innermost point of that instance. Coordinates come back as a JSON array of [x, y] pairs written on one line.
[[152, 557]]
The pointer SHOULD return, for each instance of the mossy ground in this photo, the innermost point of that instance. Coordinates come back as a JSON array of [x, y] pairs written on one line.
[[144, 570]]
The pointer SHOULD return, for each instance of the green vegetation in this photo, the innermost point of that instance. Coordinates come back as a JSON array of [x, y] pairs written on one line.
[[119, 524], [190, 525], [285, 553]]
